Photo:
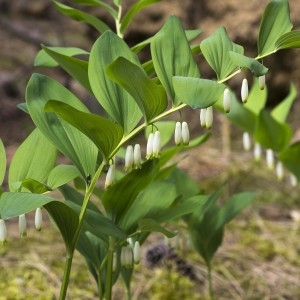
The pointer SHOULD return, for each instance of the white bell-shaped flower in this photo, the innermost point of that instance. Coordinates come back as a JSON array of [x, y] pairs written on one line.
[[262, 81], [156, 143], [203, 117], [126, 257], [293, 180], [185, 133], [137, 157], [257, 152], [137, 252], [129, 158], [279, 171], [22, 225], [3, 232], [149, 151], [178, 134], [110, 176], [246, 141], [209, 117], [38, 220], [244, 90], [270, 159], [226, 100]]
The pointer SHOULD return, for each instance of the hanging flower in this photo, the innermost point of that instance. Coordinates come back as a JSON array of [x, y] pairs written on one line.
[[137, 157], [262, 81], [149, 151], [279, 171], [156, 143], [257, 152], [293, 180], [244, 90], [226, 100], [203, 117], [185, 133], [137, 252], [3, 232], [246, 141], [178, 134], [38, 219], [126, 257], [22, 225], [209, 117], [128, 158], [270, 159], [110, 176]]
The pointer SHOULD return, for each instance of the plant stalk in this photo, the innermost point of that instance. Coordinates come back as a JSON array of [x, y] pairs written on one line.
[[209, 279], [109, 268], [66, 276]]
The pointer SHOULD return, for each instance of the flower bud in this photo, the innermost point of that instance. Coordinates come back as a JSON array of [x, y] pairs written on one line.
[[115, 262], [126, 257], [270, 159], [178, 134], [279, 171], [137, 157], [203, 117], [149, 151], [246, 141], [209, 117], [262, 81], [226, 100], [38, 219], [136, 252], [128, 158], [156, 143], [3, 232], [257, 152], [185, 133], [22, 225], [244, 90], [293, 180], [110, 176]]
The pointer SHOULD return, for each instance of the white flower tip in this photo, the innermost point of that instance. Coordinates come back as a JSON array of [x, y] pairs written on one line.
[[38, 219], [226, 100], [22, 225], [149, 151], [203, 117], [137, 157], [110, 176], [257, 152], [293, 180], [129, 159], [244, 90], [279, 171], [178, 134], [185, 133], [262, 81], [246, 141], [3, 232], [136, 252], [209, 117], [156, 143], [126, 257], [270, 159]]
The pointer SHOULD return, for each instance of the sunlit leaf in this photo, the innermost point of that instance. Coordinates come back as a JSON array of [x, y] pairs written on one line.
[[172, 55], [102, 4], [216, 48], [2, 161], [150, 97], [288, 40], [35, 186], [62, 174], [275, 22]]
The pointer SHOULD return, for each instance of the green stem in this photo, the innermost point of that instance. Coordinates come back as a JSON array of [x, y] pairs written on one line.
[[70, 252], [118, 22], [100, 296], [210, 285], [109, 268]]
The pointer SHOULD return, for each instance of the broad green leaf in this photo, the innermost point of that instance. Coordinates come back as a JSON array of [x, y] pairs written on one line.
[[150, 225], [120, 106], [61, 175], [197, 92], [42, 59], [67, 139], [172, 55], [76, 68], [150, 97], [216, 49], [81, 16], [257, 98], [2, 162], [281, 111], [252, 64], [270, 133], [290, 158], [35, 186], [288, 40], [34, 159], [155, 198], [133, 10], [102, 4], [275, 22], [104, 133]]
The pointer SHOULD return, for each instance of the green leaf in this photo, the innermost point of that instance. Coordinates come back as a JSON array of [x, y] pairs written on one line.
[[76, 68], [104, 133], [216, 49], [290, 158], [68, 140], [270, 133], [288, 40], [120, 106], [102, 4], [43, 59], [197, 92], [150, 225], [172, 55], [134, 9], [275, 22], [2, 161], [252, 64], [61, 175], [150, 97], [35, 186], [281, 111], [81, 16], [34, 159]]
